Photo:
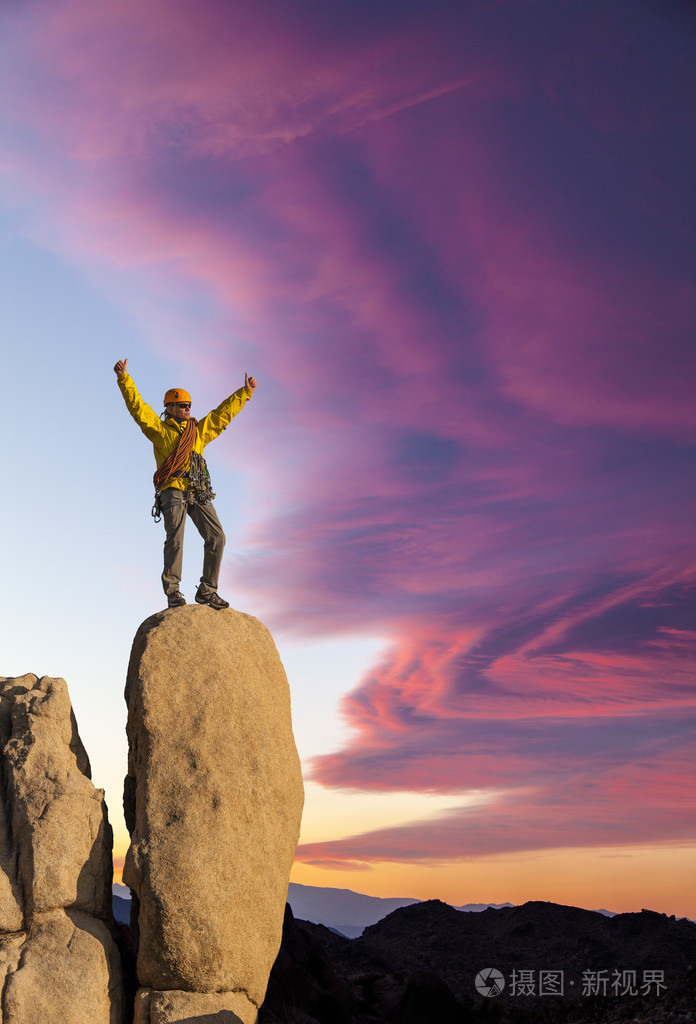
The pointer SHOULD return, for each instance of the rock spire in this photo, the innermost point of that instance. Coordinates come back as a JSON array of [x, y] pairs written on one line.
[[213, 802]]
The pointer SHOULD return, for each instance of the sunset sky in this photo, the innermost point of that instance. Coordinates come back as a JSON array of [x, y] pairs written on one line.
[[454, 242]]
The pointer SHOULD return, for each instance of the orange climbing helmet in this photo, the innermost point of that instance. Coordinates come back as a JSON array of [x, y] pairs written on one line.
[[175, 395]]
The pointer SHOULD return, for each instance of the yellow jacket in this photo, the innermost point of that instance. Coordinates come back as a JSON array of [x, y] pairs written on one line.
[[165, 434]]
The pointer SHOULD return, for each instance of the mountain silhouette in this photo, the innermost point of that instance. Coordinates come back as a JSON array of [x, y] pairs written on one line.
[[419, 965]]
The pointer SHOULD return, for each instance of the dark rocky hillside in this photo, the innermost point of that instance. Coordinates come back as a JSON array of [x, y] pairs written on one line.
[[419, 965], [536, 936]]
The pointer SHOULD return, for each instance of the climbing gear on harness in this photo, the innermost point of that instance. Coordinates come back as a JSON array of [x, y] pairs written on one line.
[[175, 395], [157, 507], [175, 599], [200, 488], [213, 600]]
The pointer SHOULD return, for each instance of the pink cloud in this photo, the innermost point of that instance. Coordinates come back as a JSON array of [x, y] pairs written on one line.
[[578, 722], [581, 806]]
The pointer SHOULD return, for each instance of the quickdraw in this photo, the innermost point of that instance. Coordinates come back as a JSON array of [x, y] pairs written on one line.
[[200, 486]]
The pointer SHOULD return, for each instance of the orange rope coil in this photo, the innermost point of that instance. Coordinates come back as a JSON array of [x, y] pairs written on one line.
[[178, 459]]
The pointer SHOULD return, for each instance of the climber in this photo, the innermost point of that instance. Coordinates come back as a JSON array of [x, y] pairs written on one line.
[[182, 481]]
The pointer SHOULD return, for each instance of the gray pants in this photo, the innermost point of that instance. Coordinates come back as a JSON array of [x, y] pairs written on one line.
[[174, 511]]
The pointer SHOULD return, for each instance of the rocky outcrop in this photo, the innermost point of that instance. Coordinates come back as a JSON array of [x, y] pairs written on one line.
[[304, 979], [58, 960], [419, 965], [213, 802]]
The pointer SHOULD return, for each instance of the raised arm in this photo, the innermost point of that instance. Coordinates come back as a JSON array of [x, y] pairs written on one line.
[[212, 425], [146, 418]]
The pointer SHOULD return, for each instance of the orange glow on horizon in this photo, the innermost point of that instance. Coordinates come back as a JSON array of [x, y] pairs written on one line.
[[610, 878]]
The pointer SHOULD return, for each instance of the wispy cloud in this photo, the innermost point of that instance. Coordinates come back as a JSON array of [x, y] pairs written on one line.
[[645, 802]]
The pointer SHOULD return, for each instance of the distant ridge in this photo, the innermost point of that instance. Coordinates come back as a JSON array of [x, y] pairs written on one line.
[[343, 910], [350, 912], [121, 908]]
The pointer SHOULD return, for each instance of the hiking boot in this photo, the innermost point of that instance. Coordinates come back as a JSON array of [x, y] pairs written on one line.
[[212, 599], [175, 599]]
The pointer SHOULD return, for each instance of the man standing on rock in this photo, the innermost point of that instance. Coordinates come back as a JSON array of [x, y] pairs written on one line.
[[182, 481]]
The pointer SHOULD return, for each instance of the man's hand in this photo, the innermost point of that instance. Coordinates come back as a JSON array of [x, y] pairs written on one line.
[[249, 382], [121, 367]]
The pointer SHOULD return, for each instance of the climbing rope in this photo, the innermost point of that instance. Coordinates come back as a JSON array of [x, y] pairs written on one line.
[[174, 464]]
